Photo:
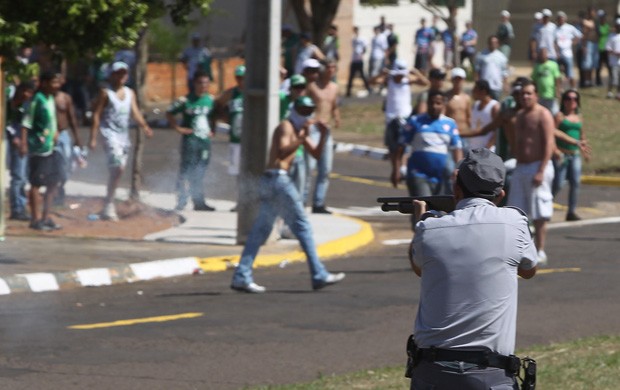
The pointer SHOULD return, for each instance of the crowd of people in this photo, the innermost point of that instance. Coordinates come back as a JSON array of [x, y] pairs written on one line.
[[426, 135]]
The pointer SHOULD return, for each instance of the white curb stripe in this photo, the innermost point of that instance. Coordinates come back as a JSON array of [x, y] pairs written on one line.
[[165, 268], [4, 288], [583, 222], [402, 241], [94, 277], [40, 281]]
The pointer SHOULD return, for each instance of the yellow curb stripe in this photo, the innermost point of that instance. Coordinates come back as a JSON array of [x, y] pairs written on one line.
[[329, 249], [556, 270], [561, 207], [359, 180], [601, 180], [137, 321]]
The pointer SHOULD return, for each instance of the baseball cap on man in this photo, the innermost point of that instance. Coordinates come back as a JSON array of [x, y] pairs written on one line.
[[562, 14], [400, 68], [437, 74], [482, 172], [119, 65], [311, 63], [538, 15], [547, 12], [304, 101], [240, 70], [505, 14], [458, 72], [297, 80]]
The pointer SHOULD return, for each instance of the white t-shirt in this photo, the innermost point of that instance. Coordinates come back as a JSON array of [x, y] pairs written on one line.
[[304, 54], [359, 48], [479, 119], [564, 37], [613, 47], [546, 38], [379, 46], [398, 99]]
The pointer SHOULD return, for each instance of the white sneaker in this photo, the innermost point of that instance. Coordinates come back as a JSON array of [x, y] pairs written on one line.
[[109, 212], [328, 281], [542, 258], [610, 95], [251, 288]]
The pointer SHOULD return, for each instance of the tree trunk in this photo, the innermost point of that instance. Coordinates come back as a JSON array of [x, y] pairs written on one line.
[[2, 153], [140, 76], [322, 15], [303, 19]]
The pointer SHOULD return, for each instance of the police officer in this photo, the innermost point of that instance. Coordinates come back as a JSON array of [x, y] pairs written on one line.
[[469, 261]]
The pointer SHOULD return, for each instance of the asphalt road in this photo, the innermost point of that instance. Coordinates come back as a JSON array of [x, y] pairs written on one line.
[[195, 333], [287, 335]]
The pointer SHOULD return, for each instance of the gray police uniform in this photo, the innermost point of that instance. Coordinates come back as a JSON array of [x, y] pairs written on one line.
[[468, 301]]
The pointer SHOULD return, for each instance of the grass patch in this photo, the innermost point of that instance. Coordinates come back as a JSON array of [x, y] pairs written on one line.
[[601, 118], [362, 118], [584, 364]]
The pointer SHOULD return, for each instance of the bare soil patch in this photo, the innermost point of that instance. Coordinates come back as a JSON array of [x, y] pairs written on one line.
[[76, 218]]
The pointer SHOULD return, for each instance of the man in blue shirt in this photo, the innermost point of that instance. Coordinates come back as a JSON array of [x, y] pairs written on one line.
[[423, 38], [432, 136]]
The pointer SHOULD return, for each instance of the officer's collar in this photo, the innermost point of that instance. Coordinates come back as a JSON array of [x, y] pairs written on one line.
[[473, 202]]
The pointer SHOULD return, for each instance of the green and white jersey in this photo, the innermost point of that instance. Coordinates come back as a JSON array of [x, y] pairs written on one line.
[[40, 120], [235, 115], [197, 111]]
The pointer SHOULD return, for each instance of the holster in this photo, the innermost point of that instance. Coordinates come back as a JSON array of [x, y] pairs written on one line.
[[412, 356], [529, 374]]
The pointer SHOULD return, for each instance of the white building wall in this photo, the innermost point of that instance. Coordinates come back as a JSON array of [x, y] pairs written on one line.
[[406, 19]]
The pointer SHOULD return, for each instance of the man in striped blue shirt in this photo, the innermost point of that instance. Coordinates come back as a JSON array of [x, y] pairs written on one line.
[[432, 137]]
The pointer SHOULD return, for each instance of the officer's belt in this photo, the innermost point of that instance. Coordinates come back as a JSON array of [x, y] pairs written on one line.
[[479, 358]]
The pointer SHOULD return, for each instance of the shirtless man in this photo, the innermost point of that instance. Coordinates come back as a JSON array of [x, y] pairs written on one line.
[[458, 106], [532, 179], [589, 44], [324, 93], [65, 116], [280, 197]]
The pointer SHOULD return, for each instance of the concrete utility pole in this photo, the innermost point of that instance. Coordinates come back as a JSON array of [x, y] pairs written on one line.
[[260, 111], [2, 152]]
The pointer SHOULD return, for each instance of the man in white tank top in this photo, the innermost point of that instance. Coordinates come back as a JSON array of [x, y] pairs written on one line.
[[484, 110], [398, 100], [113, 110]]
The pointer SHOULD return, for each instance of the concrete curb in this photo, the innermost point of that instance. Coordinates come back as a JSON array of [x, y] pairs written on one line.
[[167, 268]]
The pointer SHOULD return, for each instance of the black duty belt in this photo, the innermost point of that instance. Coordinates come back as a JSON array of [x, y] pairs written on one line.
[[480, 358]]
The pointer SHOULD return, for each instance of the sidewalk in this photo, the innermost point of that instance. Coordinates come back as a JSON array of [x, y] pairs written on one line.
[[208, 241]]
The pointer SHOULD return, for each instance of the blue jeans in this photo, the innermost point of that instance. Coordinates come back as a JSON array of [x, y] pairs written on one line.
[[568, 168], [297, 172], [323, 167], [64, 146], [278, 196], [195, 157], [18, 166]]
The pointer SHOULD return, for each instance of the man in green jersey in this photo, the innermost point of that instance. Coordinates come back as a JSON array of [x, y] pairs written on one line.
[[196, 128], [39, 134], [230, 105], [548, 79]]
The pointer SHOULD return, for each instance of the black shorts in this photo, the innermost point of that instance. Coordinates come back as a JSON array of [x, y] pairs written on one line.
[[46, 170]]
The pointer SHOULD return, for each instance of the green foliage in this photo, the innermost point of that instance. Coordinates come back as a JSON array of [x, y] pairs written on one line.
[[79, 27], [168, 42]]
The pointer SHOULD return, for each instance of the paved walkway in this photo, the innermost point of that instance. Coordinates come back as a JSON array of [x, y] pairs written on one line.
[[40, 264]]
